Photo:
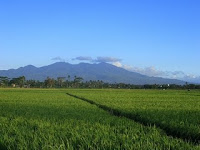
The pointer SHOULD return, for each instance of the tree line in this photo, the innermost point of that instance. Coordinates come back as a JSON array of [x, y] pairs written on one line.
[[78, 82]]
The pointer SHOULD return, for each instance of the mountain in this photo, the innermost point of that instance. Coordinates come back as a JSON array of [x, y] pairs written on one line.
[[102, 71]]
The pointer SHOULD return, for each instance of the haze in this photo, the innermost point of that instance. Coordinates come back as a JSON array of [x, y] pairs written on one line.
[[156, 38]]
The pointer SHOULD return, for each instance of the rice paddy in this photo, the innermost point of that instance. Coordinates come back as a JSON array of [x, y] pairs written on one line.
[[52, 119]]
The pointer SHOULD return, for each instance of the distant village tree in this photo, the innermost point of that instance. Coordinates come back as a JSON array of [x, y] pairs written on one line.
[[20, 81], [49, 82], [61, 80], [77, 81], [4, 81]]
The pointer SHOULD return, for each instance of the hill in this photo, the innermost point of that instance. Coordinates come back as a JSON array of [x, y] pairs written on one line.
[[102, 71]]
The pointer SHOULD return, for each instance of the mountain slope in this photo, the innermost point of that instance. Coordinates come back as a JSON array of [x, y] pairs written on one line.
[[102, 71]]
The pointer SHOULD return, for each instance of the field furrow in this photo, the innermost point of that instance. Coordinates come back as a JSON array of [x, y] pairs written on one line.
[[176, 112], [49, 119]]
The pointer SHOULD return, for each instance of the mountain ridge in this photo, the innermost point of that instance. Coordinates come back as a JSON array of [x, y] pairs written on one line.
[[101, 71]]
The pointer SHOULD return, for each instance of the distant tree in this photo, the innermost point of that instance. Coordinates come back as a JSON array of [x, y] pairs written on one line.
[[20, 81], [49, 82], [4, 81], [77, 81], [61, 80], [68, 77]]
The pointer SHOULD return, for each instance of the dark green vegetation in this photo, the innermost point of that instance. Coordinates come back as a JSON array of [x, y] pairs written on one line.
[[78, 82], [176, 112], [50, 119]]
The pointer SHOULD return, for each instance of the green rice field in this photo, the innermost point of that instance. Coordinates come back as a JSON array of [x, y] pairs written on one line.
[[34, 119]]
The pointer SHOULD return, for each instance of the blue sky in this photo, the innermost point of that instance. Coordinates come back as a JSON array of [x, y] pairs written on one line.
[[163, 36]]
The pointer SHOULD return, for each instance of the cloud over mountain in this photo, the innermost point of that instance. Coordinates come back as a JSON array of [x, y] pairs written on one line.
[[98, 59], [154, 72], [148, 71], [83, 58], [58, 59]]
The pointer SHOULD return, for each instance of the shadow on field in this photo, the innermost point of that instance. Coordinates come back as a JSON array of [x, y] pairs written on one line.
[[24, 113], [137, 118], [3, 147]]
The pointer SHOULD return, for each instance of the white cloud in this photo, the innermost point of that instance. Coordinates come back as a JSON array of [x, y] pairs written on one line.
[[83, 58], [153, 72], [148, 71], [58, 59], [118, 64], [98, 59]]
